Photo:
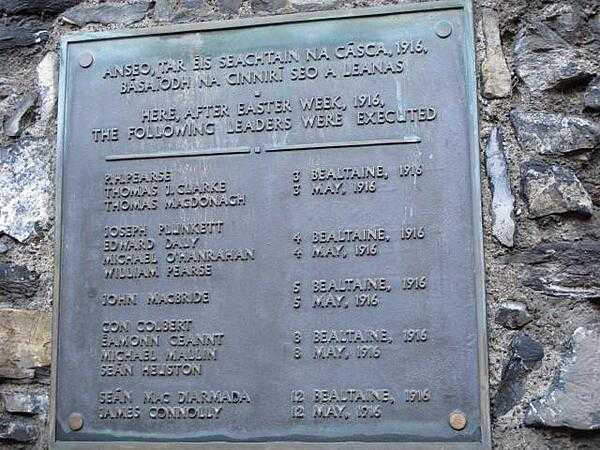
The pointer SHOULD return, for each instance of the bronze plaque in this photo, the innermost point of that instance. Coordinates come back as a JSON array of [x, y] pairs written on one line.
[[270, 235]]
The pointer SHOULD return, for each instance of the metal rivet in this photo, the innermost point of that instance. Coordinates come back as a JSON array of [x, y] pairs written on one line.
[[86, 60], [443, 29], [75, 421], [458, 420]]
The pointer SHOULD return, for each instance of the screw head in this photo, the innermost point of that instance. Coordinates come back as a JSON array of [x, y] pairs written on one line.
[[86, 60], [443, 29], [75, 421], [457, 420]]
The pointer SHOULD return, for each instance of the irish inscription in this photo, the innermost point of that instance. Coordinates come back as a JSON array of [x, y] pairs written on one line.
[[268, 234]]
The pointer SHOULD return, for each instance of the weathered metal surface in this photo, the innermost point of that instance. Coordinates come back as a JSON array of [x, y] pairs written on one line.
[[270, 235]]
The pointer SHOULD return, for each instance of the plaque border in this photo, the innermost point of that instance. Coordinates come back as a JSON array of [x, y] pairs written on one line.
[[479, 264]]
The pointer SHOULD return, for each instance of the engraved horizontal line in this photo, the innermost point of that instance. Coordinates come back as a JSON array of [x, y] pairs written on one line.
[[365, 143], [133, 156]]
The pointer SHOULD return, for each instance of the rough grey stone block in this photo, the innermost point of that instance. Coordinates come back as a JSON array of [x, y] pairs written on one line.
[[503, 225], [595, 23], [17, 431], [555, 134], [6, 88], [13, 125], [36, 6], [573, 400], [513, 315], [179, 11], [268, 5], [229, 6], [107, 13], [17, 282], [567, 20], [22, 31], [313, 5], [563, 269], [543, 60], [25, 402], [591, 97], [25, 188], [526, 355], [550, 189]]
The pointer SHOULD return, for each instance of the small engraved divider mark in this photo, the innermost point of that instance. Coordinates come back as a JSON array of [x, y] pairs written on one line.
[[365, 143], [133, 156]]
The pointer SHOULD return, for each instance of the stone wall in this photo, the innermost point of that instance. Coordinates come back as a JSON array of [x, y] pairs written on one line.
[[539, 108]]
